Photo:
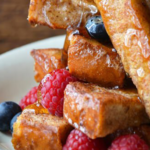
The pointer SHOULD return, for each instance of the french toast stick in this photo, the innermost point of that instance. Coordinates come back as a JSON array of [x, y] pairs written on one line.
[[128, 25], [98, 111], [61, 14], [91, 61], [39, 132], [46, 60]]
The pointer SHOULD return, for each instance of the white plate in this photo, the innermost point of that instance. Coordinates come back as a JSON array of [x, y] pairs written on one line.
[[17, 76]]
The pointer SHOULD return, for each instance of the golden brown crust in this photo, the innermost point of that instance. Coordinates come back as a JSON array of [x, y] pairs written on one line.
[[94, 62], [97, 111], [46, 60], [61, 13], [129, 29], [39, 132]]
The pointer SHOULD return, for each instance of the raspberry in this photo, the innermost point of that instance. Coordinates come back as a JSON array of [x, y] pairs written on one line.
[[30, 98], [79, 141], [129, 142], [52, 90]]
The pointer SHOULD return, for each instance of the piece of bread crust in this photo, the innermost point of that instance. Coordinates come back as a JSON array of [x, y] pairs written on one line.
[[91, 61], [98, 111], [46, 60], [39, 131], [129, 29], [61, 14]]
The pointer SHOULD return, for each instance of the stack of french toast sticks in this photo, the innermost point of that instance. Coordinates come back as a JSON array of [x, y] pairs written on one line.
[[112, 94]]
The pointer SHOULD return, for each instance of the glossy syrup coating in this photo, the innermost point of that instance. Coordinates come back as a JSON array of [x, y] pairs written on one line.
[[129, 29], [98, 111], [94, 62], [61, 13], [36, 108]]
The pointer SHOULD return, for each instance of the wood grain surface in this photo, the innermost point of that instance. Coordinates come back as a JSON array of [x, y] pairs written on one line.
[[15, 30]]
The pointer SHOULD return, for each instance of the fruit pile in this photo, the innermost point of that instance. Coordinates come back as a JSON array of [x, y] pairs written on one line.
[[79, 141], [75, 108], [52, 90]]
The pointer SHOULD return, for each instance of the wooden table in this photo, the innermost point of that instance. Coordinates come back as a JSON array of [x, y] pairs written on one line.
[[14, 27]]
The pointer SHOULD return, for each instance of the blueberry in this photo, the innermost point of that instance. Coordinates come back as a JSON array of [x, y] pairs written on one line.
[[96, 28], [13, 120], [7, 111]]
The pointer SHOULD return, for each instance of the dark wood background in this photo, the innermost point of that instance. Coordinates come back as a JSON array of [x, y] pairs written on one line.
[[15, 30]]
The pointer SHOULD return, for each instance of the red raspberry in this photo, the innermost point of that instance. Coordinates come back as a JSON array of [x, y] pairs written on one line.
[[30, 98], [129, 142], [79, 141], [52, 90]]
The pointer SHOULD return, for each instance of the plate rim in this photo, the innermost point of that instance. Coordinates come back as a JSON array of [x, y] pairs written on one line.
[[32, 43]]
